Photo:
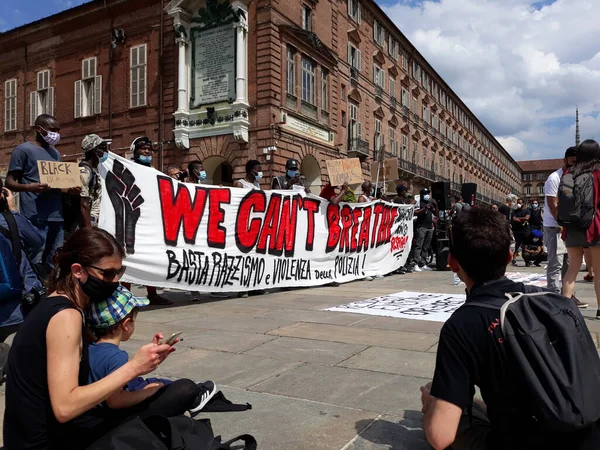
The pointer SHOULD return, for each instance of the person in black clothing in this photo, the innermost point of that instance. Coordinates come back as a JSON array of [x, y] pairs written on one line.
[[471, 352], [49, 404], [424, 227], [520, 226], [533, 248], [536, 221]]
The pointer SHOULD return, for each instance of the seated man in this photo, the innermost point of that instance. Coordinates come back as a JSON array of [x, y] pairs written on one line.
[[533, 248], [471, 352]]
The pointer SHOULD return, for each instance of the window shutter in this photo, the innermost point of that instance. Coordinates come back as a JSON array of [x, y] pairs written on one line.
[[50, 101], [358, 129], [358, 60], [40, 81], [349, 53], [78, 99], [375, 26], [33, 107], [92, 67], [98, 94], [358, 11], [85, 69], [349, 7]]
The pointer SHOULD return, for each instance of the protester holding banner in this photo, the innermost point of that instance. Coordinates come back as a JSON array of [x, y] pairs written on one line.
[[329, 193], [253, 176], [196, 172], [39, 203], [366, 192], [426, 213], [46, 396], [142, 154]]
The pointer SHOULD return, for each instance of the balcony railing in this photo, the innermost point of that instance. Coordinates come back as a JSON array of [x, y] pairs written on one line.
[[393, 102], [408, 166], [416, 118], [378, 92], [358, 146], [354, 74], [405, 111]]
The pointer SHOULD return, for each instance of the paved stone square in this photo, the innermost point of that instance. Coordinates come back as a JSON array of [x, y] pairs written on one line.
[[316, 379]]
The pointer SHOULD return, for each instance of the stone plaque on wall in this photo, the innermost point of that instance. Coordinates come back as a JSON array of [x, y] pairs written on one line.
[[213, 65]]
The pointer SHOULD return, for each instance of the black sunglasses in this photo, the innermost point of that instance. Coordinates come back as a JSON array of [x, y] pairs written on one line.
[[110, 274]]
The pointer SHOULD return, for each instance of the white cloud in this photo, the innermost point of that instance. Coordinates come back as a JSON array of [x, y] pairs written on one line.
[[521, 69]]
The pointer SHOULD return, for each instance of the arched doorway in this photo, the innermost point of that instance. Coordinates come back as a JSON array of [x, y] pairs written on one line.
[[218, 171], [311, 170]]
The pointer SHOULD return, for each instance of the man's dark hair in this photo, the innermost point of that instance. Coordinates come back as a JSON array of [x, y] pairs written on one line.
[[43, 119], [250, 165], [571, 151], [172, 167], [480, 242], [193, 164], [588, 157], [458, 198]]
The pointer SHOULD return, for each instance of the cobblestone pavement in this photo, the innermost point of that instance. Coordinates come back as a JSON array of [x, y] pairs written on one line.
[[316, 379]]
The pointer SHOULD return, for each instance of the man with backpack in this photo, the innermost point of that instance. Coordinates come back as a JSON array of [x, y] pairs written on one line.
[[459, 206], [95, 150], [557, 264], [529, 352]]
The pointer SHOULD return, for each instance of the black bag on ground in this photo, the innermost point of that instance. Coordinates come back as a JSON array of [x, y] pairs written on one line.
[[167, 433], [553, 363], [576, 207]]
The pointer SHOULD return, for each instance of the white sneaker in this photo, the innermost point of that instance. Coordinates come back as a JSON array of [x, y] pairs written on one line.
[[378, 277], [207, 390], [427, 268], [417, 268], [369, 278]]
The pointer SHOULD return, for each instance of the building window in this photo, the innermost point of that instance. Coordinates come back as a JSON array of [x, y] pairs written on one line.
[[540, 189], [354, 126], [378, 138], [308, 80], [393, 142], [324, 90], [138, 76], [378, 33], [392, 87], [540, 176], [291, 70], [41, 101], [404, 62], [354, 10], [527, 189], [404, 147], [306, 18], [405, 98], [88, 90], [10, 105], [426, 114], [415, 106], [343, 92], [343, 118], [353, 56], [378, 76], [393, 48]]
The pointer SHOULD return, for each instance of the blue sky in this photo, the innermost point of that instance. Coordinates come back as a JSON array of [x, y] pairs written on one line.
[[521, 66], [14, 13]]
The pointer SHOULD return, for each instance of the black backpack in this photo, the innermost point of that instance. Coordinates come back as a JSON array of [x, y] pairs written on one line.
[[553, 363], [168, 433], [576, 207], [71, 204]]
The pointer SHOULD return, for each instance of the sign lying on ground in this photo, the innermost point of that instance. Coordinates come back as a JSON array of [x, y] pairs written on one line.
[[344, 171], [210, 238], [407, 305], [59, 175]]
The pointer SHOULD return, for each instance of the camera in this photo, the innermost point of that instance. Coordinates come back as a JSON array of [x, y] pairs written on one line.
[[32, 298]]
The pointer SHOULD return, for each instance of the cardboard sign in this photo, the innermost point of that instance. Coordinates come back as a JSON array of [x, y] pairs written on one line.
[[388, 170], [344, 171], [59, 175]]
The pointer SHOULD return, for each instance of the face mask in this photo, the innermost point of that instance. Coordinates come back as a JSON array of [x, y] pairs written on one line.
[[513, 206], [292, 173], [52, 138], [535, 205], [427, 198], [519, 206], [103, 158], [145, 159], [97, 289], [258, 176], [202, 175]]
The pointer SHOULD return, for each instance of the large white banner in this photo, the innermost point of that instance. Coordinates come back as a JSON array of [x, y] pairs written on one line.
[[210, 238]]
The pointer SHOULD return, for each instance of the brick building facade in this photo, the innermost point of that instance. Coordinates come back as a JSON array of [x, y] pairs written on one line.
[[313, 79], [534, 176]]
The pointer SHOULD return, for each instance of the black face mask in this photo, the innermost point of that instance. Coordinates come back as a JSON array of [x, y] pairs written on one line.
[[97, 289]]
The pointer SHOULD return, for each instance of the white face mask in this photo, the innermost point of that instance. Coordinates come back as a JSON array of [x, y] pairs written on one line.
[[258, 176], [52, 138]]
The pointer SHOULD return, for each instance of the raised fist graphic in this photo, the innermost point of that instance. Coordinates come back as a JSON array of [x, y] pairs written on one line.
[[126, 200]]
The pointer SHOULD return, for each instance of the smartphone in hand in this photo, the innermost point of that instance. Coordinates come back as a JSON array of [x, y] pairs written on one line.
[[173, 338]]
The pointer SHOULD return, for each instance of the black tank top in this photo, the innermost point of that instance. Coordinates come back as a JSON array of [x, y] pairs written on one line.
[[29, 422]]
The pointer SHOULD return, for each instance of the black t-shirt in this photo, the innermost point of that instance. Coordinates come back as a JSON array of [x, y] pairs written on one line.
[[471, 353], [425, 219], [536, 220], [516, 226], [29, 422]]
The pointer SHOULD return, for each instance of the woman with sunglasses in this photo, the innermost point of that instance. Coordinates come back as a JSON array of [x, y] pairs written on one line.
[[48, 404]]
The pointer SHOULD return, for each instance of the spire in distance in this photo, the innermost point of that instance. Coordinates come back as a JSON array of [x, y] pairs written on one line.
[[577, 139]]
